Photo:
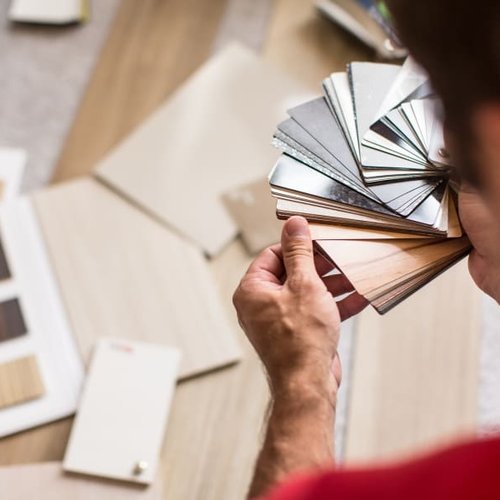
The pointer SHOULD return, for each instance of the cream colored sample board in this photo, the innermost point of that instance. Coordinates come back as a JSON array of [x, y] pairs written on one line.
[[213, 135], [119, 426], [123, 275], [47, 481]]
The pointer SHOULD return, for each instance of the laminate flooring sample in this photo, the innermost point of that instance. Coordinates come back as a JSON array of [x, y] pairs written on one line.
[[20, 381], [47, 481], [213, 135], [122, 274]]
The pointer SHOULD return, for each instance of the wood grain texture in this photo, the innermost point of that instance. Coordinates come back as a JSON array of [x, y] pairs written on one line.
[[154, 45], [375, 267], [48, 482], [308, 46], [20, 381], [124, 275], [414, 382], [177, 164]]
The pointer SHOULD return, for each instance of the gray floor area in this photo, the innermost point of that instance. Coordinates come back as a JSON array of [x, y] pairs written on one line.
[[43, 73]]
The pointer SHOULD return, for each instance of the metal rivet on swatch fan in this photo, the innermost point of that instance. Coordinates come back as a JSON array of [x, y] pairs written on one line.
[[443, 153], [140, 467]]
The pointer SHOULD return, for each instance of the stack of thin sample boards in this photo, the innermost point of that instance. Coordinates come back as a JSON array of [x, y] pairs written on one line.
[[367, 166]]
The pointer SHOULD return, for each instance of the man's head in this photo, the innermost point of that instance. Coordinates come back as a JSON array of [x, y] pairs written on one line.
[[458, 43]]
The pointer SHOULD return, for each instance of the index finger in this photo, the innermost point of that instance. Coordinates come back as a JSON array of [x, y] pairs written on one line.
[[268, 265]]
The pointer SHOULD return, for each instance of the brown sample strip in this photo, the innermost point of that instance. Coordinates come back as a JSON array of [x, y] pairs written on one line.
[[11, 320], [20, 381]]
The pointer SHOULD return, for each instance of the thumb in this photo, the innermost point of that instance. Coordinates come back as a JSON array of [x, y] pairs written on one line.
[[297, 247]]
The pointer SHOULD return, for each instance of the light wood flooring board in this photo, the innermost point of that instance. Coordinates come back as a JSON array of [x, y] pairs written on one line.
[[152, 48], [20, 381], [414, 382], [123, 275], [308, 46], [48, 482]]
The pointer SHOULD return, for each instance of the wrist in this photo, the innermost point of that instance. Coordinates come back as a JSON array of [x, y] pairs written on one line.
[[314, 383]]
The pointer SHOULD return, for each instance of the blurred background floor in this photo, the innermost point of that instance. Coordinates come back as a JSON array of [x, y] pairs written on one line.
[[102, 79]]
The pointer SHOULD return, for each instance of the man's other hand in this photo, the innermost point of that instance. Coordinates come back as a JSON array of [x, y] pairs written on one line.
[[290, 315]]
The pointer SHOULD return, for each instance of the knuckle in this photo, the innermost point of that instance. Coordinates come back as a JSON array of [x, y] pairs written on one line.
[[299, 248]]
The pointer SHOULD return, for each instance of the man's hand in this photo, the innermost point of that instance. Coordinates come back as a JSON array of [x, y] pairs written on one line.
[[484, 232], [290, 316]]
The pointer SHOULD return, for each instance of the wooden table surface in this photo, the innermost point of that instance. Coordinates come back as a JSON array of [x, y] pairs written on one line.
[[214, 431]]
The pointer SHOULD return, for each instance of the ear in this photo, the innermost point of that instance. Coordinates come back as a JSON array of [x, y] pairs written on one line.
[[486, 125]]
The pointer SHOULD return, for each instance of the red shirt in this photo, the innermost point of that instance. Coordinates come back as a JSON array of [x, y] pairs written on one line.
[[470, 471]]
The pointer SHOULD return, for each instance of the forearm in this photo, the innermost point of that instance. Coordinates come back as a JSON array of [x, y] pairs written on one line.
[[300, 435]]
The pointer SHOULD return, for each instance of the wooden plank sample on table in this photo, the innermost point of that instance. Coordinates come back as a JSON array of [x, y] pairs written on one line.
[[20, 381], [47, 481], [414, 381], [152, 48], [124, 275], [212, 135]]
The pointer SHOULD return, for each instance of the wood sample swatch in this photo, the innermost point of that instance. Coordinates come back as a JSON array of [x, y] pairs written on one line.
[[121, 418], [20, 381], [47, 481], [252, 208], [123, 274], [378, 267], [211, 136], [12, 323]]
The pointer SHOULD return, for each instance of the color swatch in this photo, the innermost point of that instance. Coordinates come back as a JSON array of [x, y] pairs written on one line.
[[20, 381], [12, 323]]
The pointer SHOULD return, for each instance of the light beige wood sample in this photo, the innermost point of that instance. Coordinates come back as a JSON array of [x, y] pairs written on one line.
[[253, 209], [338, 232], [414, 382], [124, 275], [20, 381], [212, 135], [47, 481], [375, 267], [151, 49]]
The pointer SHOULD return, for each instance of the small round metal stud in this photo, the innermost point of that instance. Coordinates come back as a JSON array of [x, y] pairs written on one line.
[[140, 467], [443, 153]]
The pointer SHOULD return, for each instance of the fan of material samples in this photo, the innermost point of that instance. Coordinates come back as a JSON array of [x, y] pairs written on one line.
[[367, 166]]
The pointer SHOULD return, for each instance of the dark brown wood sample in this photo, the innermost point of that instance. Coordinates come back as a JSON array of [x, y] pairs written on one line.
[[11, 320]]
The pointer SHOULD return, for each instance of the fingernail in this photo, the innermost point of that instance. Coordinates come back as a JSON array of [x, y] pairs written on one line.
[[297, 227]]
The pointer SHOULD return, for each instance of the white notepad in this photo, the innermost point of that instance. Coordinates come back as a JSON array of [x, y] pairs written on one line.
[[119, 427]]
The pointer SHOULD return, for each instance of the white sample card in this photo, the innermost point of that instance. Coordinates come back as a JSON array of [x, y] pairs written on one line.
[[119, 427], [46, 334]]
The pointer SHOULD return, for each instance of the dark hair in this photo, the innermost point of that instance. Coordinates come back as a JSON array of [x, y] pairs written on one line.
[[458, 44]]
